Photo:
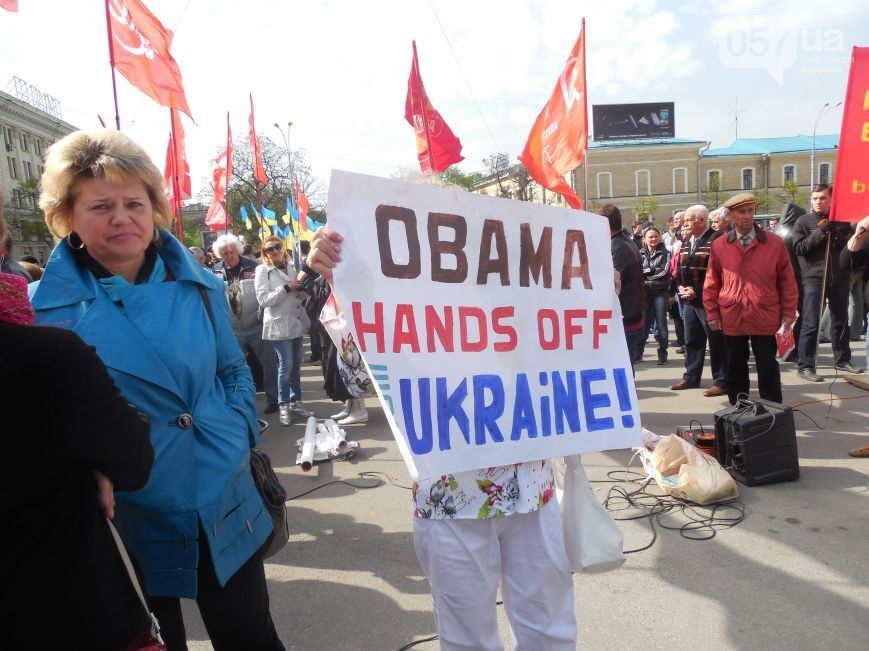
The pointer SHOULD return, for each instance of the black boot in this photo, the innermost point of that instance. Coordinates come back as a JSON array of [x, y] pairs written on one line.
[[662, 358]]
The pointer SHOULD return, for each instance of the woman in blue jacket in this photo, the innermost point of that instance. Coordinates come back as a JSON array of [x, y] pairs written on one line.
[[160, 324]]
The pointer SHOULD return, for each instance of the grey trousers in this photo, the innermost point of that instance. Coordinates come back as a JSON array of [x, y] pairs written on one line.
[[265, 353]]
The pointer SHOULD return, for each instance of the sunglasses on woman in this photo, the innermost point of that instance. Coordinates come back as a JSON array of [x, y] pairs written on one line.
[[272, 248]]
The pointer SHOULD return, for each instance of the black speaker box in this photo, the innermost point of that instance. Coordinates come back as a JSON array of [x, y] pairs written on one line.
[[757, 443]]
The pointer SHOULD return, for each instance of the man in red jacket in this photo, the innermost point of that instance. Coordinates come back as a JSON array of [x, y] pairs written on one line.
[[749, 293]]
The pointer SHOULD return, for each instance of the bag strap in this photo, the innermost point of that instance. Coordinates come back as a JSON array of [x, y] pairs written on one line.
[[155, 626]]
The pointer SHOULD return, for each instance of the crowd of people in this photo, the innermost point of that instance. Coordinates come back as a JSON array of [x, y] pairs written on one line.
[[729, 284], [154, 416]]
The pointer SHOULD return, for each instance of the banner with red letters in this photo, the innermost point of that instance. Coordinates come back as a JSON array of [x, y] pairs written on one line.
[[491, 327]]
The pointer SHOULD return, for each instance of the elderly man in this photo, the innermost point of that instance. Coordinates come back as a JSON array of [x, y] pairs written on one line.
[[720, 219], [690, 276], [749, 293], [238, 274]]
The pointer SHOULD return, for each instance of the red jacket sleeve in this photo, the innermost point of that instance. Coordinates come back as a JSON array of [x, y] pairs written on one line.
[[712, 284]]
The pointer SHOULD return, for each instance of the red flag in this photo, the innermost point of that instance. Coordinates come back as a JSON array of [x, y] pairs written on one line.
[[217, 219], [559, 136], [9, 5], [851, 194], [259, 170], [437, 148], [177, 172], [141, 53], [302, 203]]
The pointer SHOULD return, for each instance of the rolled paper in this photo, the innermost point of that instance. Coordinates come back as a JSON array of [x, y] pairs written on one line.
[[308, 445], [337, 433]]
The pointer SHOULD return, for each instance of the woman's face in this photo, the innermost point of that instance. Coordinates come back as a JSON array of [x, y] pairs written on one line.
[[652, 239], [716, 223], [275, 251], [115, 221]]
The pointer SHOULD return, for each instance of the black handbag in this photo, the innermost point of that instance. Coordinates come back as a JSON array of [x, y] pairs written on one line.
[[273, 495]]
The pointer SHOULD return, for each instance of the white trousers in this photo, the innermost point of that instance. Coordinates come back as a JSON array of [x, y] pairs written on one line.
[[465, 560]]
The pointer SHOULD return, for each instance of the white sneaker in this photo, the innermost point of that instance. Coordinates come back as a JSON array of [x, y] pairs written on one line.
[[358, 414], [298, 407], [284, 410], [344, 412]]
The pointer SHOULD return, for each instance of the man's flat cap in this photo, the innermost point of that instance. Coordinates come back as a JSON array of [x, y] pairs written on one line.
[[739, 200]]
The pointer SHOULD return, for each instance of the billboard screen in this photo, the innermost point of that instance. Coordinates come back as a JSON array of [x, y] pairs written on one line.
[[630, 121]]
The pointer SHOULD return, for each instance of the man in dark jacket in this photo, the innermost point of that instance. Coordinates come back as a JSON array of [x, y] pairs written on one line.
[[789, 216], [690, 275], [813, 235], [629, 265]]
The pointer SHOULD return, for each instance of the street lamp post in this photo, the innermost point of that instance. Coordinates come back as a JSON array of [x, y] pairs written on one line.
[[826, 108], [287, 145]]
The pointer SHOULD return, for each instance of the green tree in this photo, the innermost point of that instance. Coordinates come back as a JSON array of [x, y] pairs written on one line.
[[29, 220], [790, 192], [454, 176], [715, 195], [764, 202], [645, 208]]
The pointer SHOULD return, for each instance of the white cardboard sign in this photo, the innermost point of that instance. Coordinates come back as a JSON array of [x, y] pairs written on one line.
[[491, 326]]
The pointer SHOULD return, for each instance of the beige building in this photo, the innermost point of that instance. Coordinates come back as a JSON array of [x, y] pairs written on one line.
[[30, 121], [660, 177]]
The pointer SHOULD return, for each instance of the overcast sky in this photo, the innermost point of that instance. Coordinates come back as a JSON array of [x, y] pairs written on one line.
[[338, 69]]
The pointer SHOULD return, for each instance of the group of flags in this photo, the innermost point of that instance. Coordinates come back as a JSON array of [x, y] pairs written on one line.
[[555, 146]]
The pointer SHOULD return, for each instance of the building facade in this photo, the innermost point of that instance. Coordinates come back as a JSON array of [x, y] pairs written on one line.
[[28, 132], [653, 179]]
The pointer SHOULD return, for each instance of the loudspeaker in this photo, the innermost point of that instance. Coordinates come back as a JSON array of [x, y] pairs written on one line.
[[757, 442]]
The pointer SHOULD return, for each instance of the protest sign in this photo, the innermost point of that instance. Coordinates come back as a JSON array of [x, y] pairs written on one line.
[[491, 327]]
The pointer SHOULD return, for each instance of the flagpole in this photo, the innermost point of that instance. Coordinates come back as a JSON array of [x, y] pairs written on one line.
[[112, 65], [424, 113], [176, 190], [585, 118], [226, 167]]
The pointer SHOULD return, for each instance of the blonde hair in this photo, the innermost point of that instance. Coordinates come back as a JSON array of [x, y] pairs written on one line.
[[267, 259], [101, 154]]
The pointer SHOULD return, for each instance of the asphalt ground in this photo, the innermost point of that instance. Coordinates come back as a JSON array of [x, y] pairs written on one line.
[[794, 574]]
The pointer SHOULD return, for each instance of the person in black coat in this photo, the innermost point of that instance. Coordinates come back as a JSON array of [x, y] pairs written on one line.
[[62, 580], [632, 294]]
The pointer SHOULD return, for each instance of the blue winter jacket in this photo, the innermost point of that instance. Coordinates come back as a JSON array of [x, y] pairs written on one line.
[[189, 375]]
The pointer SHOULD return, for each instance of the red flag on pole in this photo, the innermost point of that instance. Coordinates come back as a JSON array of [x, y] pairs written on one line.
[[851, 195], [217, 218], [303, 206], [9, 5], [177, 171], [142, 53], [437, 148], [259, 170], [559, 137]]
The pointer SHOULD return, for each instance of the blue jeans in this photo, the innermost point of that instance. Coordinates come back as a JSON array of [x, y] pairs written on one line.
[[289, 369], [656, 312]]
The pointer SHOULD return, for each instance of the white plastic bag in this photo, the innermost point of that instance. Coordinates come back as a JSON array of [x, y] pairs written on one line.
[[351, 367], [592, 538], [681, 470]]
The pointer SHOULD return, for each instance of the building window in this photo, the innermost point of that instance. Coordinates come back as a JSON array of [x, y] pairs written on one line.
[[38, 144], [824, 173], [13, 167], [747, 178], [7, 138], [788, 174], [713, 180], [24, 142], [40, 169], [680, 180], [28, 170], [643, 183], [604, 184]]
